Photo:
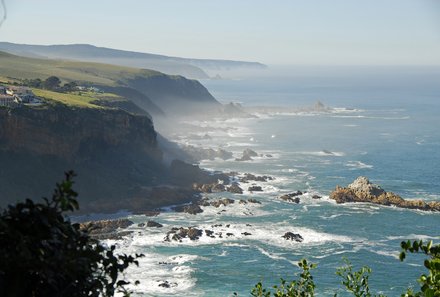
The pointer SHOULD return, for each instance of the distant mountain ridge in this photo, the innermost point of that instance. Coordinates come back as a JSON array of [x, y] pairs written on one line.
[[191, 68]]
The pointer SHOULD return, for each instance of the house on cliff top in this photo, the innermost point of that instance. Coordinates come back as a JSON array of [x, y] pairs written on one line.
[[20, 95]]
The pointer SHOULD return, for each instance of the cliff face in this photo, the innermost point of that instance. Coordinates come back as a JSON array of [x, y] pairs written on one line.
[[114, 153], [72, 134], [176, 95]]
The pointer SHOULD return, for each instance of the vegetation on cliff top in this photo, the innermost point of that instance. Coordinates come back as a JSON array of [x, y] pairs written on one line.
[[21, 67]]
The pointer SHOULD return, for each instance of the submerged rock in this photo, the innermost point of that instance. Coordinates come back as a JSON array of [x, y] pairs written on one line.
[[362, 190]]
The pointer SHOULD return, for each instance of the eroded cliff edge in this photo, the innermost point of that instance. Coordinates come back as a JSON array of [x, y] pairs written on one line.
[[114, 153]]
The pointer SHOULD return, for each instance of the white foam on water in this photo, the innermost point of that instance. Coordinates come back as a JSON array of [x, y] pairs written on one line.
[[322, 153], [413, 237], [274, 256], [358, 165], [392, 254], [155, 269]]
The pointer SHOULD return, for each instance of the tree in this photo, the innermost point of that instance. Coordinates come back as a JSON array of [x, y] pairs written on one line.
[[52, 83], [43, 254], [69, 87]]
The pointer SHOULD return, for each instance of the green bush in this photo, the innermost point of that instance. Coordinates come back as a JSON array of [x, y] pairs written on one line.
[[430, 283], [43, 254], [356, 282]]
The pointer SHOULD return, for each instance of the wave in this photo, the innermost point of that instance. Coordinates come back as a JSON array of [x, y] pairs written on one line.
[[358, 165], [323, 153], [163, 276]]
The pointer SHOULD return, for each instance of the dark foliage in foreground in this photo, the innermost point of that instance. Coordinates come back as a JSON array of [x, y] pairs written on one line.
[[43, 254]]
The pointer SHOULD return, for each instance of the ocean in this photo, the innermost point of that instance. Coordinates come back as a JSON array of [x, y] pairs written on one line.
[[383, 123]]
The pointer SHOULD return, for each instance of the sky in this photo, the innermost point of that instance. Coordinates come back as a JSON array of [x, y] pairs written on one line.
[[281, 32]]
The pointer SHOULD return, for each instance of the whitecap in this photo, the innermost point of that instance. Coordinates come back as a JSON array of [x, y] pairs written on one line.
[[358, 165]]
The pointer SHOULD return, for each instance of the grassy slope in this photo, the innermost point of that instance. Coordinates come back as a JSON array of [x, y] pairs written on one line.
[[77, 100], [22, 67], [14, 68]]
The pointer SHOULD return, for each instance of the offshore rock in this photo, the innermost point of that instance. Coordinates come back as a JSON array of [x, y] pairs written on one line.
[[293, 236], [247, 155], [362, 190], [177, 234], [224, 202], [250, 177], [235, 188], [154, 224], [191, 209], [255, 189], [292, 197]]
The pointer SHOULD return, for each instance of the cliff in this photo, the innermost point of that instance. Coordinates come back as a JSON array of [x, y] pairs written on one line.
[[72, 133], [114, 152], [175, 95]]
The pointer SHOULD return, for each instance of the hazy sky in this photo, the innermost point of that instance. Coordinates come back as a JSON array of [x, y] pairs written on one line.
[[272, 32]]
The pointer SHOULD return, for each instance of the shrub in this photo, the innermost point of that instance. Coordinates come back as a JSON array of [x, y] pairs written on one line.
[[43, 254]]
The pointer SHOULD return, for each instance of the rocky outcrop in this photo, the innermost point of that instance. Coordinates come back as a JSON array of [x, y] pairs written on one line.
[[192, 208], [293, 236], [177, 234], [235, 188], [250, 177], [222, 202], [106, 229], [247, 155], [255, 189], [292, 197], [362, 190], [209, 188], [154, 224]]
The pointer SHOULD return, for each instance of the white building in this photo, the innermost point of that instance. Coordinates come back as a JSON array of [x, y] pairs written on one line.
[[8, 101]]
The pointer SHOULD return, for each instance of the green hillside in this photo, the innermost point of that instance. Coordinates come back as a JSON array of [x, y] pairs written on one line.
[[154, 92], [21, 67]]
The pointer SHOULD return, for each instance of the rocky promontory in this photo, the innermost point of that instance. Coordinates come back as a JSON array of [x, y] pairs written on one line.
[[362, 190]]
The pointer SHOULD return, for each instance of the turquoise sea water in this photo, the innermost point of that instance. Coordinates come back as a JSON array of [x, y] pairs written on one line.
[[385, 125]]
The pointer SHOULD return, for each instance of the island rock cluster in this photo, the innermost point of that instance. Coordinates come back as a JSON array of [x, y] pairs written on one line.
[[362, 190]]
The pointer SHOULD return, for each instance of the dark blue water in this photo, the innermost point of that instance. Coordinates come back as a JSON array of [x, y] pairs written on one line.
[[392, 136]]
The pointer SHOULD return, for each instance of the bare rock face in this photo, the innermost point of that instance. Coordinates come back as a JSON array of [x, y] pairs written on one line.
[[362, 190], [106, 229], [365, 189]]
